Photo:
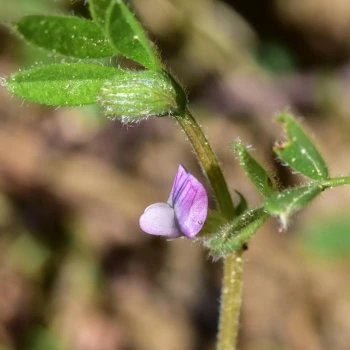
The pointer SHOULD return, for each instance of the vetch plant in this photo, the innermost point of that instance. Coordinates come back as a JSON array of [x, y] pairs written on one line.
[[151, 91]]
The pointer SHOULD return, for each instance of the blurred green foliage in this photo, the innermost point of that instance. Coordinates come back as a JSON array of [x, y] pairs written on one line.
[[41, 338], [328, 238], [11, 10], [27, 254], [275, 58]]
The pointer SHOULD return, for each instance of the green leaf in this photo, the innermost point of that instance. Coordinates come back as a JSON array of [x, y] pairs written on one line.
[[256, 173], [299, 152], [137, 95], [287, 202], [98, 10], [234, 235], [128, 37], [68, 36], [74, 84]]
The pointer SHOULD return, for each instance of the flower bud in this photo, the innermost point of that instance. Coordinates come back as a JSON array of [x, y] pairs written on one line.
[[137, 95]]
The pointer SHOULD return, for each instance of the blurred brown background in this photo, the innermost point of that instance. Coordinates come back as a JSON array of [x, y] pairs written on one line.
[[76, 272]]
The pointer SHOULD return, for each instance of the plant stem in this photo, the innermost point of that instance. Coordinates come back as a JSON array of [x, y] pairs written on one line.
[[209, 163], [336, 181], [231, 300], [231, 294]]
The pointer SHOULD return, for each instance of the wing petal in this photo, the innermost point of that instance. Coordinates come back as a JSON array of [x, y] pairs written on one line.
[[159, 219]]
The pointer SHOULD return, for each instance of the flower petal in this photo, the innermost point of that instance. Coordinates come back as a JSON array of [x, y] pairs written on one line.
[[159, 219], [180, 178], [191, 206]]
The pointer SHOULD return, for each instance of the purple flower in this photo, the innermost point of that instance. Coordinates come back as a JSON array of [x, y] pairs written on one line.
[[185, 212]]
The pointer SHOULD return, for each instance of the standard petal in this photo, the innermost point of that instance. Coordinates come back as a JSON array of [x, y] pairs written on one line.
[[191, 207], [180, 178], [159, 219]]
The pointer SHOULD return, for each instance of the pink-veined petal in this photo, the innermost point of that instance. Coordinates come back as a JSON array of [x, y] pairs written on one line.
[[191, 207], [159, 219]]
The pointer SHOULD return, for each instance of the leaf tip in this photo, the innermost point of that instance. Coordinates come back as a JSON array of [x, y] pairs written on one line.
[[237, 145], [280, 146], [283, 116]]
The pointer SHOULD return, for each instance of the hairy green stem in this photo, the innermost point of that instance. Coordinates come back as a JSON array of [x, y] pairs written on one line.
[[231, 294], [336, 181], [209, 163], [231, 300]]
